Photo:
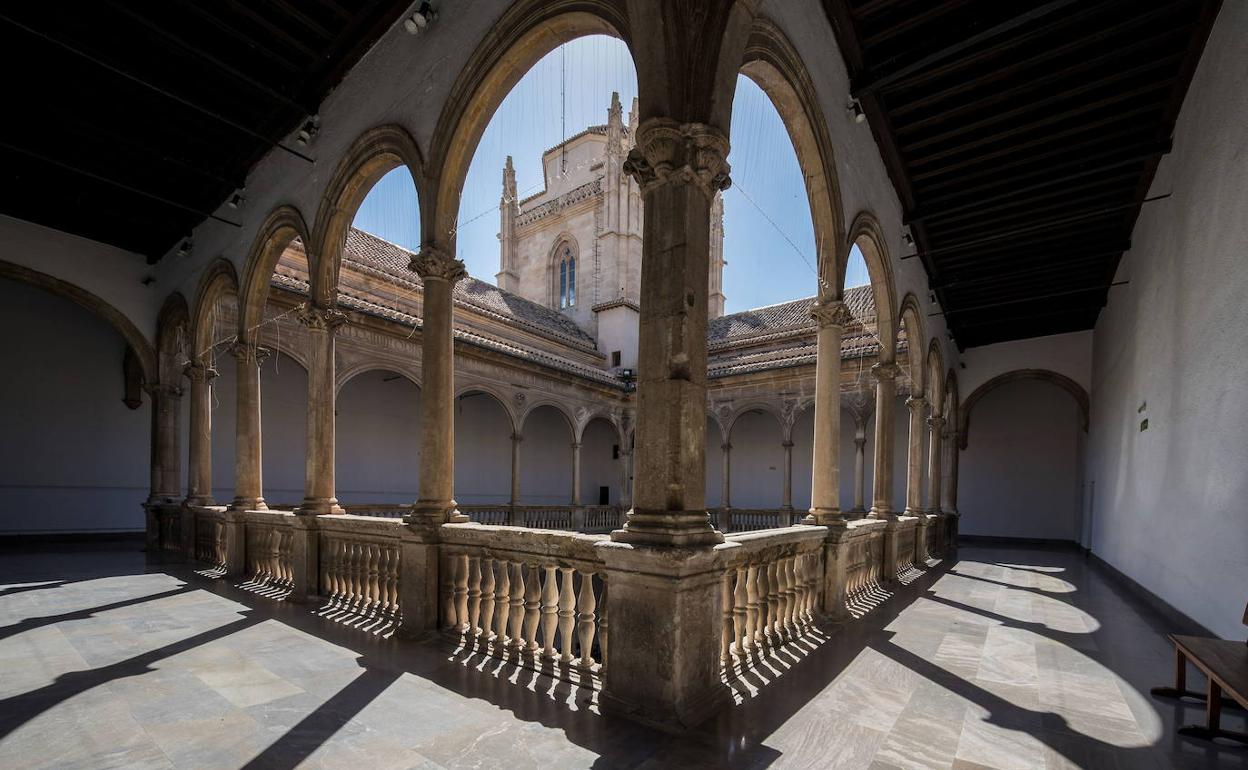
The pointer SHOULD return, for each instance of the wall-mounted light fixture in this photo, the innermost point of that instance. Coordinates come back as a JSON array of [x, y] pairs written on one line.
[[308, 131], [907, 236], [185, 247], [421, 19], [855, 109]]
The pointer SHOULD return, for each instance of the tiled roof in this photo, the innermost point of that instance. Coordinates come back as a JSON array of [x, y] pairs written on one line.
[[370, 251], [786, 316]]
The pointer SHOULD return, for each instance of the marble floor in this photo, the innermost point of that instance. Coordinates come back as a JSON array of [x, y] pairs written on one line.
[[1005, 659]]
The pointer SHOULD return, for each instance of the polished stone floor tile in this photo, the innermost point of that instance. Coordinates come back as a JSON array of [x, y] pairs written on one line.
[[1007, 658]]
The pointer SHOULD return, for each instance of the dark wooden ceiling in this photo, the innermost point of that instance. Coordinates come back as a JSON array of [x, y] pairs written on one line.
[[1022, 138], [130, 123]]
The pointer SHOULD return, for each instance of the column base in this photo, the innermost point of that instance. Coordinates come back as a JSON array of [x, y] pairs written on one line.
[[427, 513], [825, 517], [668, 528], [886, 514], [199, 501], [318, 506], [248, 504]]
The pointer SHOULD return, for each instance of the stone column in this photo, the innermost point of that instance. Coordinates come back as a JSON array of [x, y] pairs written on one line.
[[680, 168], [825, 485], [948, 487], [860, 471], [786, 494], [725, 492], [882, 483], [167, 478], [516, 438], [576, 473], [914, 457], [199, 453], [626, 497], [421, 559], [935, 468], [318, 484], [439, 272], [248, 477]]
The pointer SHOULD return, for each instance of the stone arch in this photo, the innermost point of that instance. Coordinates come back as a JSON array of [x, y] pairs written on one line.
[[774, 65], [1075, 390], [952, 403], [282, 226], [412, 375], [715, 418], [219, 279], [377, 447], [553, 262], [534, 406], [144, 353], [866, 233], [912, 317], [526, 32], [467, 390], [603, 416], [371, 156], [173, 326], [754, 406], [936, 393]]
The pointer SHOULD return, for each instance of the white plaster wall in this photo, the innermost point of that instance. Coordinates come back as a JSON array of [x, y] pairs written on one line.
[[73, 457], [757, 473], [714, 464], [1169, 502], [617, 330], [224, 388], [483, 451], [599, 468], [284, 426], [1019, 475], [546, 458], [378, 430], [1068, 354], [803, 450]]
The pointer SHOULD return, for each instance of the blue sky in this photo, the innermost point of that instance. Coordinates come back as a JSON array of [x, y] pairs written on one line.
[[768, 237]]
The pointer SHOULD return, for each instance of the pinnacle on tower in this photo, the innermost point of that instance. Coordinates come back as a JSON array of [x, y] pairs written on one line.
[[509, 183]]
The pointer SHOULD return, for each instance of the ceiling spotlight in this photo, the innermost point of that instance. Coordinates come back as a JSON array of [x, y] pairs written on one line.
[[907, 236], [855, 109], [308, 131], [185, 247], [418, 21], [236, 201]]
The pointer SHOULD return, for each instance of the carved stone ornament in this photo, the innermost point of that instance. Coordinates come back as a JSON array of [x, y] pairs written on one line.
[[161, 390], [936, 422], [199, 372], [667, 151], [320, 319], [916, 403], [832, 313], [519, 398], [249, 352], [886, 370], [433, 264]]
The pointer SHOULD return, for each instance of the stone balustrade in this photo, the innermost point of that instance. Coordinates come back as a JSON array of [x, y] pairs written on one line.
[[378, 510], [770, 587], [536, 598], [210, 537], [269, 542], [487, 514], [360, 563], [864, 560], [753, 519]]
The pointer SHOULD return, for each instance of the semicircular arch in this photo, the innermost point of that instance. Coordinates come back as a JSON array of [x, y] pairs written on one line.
[[1075, 390], [283, 225]]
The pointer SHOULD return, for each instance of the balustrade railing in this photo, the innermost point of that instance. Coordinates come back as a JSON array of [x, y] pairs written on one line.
[[753, 519], [601, 519], [210, 539], [360, 563], [487, 514], [538, 599], [905, 547], [378, 510], [864, 564], [268, 551], [770, 589]]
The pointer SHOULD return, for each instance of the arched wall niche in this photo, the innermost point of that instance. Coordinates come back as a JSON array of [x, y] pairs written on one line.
[[775, 66], [144, 353], [374, 153], [866, 233], [522, 36], [912, 317], [282, 226], [218, 281], [1075, 390]]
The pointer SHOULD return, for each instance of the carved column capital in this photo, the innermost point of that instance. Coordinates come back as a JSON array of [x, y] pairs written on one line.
[[831, 312], [516, 437], [936, 422], [860, 441], [434, 264], [197, 371], [320, 319], [726, 447], [670, 152], [916, 403], [886, 370], [249, 353], [786, 444]]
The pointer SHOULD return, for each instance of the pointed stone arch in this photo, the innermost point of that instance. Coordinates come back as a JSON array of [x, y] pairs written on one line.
[[866, 233], [912, 317], [283, 225], [219, 279]]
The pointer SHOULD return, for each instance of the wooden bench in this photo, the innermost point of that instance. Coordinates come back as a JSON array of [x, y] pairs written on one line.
[[1225, 664]]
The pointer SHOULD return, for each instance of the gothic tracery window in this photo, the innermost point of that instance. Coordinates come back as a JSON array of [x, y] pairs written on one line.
[[567, 277]]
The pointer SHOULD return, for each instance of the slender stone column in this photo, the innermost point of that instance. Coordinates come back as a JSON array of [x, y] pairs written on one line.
[[935, 468], [680, 168], [725, 489], [439, 272], [516, 438], [948, 488], [166, 457], [248, 478], [914, 457], [825, 485], [319, 488], [199, 457], [626, 496], [576, 473], [860, 471], [885, 394], [786, 494]]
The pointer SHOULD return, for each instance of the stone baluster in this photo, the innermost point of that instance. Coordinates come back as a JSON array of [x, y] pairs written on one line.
[[762, 636], [487, 596], [740, 602], [774, 626], [532, 607], [603, 625], [585, 606], [725, 624], [461, 573], [502, 603], [474, 594], [516, 611], [567, 614], [751, 608], [550, 609], [791, 596]]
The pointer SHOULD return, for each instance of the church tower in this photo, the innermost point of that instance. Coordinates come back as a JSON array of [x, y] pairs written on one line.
[[507, 278]]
